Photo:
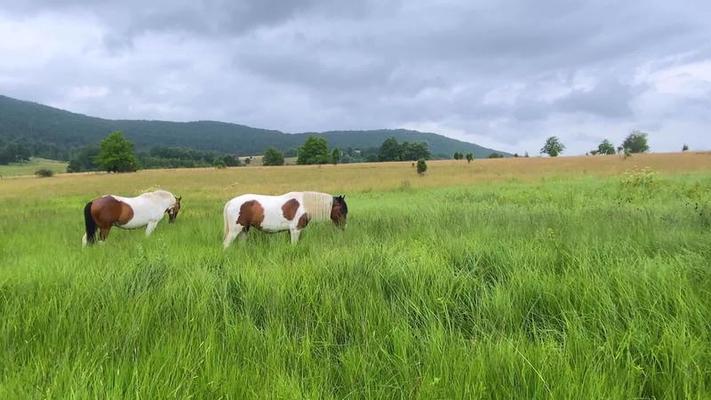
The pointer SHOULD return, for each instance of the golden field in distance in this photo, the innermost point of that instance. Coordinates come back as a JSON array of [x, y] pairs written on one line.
[[346, 178]]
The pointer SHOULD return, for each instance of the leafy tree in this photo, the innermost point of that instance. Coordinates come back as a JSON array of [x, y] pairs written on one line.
[[457, 155], [84, 159], [421, 166], [685, 147], [248, 160], [414, 151], [470, 157], [219, 164], [335, 156], [553, 147], [496, 155], [231, 160], [606, 148], [636, 142], [389, 150], [313, 151], [273, 157], [116, 154]]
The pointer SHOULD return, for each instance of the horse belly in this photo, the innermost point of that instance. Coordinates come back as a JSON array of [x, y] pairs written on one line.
[[274, 222]]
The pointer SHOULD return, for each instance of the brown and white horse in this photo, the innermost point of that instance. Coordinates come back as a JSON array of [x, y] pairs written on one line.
[[291, 211], [128, 213]]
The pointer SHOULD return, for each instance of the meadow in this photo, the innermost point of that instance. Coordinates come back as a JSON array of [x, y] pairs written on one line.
[[30, 167], [585, 277]]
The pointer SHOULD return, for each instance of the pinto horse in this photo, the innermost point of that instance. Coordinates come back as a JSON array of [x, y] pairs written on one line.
[[290, 211], [128, 213]]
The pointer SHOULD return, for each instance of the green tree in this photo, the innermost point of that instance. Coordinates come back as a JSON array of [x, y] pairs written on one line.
[[636, 142], [313, 151], [553, 147], [390, 150], [116, 154], [470, 157], [335, 156], [685, 148], [421, 166], [273, 157], [457, 155], [231, 161], [606, 148]]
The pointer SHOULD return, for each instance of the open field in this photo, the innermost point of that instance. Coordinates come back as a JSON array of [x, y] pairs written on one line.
[[507, 278], [29, 168]]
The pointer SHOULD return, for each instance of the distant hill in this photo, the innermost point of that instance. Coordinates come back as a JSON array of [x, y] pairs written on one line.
[[67, 130]]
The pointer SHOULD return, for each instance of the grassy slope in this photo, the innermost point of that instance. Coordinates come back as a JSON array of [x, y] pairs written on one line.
[[511, 285], [29, 168]]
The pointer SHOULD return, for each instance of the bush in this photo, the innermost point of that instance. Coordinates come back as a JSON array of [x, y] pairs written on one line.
[[273, 157], [219, 164], [421, 166], [44, 173]]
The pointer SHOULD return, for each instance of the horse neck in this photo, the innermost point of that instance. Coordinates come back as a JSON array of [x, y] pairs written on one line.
[[318, 205]]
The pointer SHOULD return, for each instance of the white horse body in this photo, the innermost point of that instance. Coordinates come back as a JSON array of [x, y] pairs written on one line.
[[311, 206], [148, 209]]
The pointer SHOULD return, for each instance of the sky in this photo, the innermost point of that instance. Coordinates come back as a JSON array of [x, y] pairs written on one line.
[[505, 74]]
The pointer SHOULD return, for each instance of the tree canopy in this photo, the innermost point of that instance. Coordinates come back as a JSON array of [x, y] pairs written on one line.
[[553, 147], [116, 154], [313, 151], [606, 148], [636, 142], [273, 157]]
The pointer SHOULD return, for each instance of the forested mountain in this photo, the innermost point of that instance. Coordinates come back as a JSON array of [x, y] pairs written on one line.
[[55, 133]]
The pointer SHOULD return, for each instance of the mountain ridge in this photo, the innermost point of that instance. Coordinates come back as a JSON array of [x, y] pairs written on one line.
[[69, 130]]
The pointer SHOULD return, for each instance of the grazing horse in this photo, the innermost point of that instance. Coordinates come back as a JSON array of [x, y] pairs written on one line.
[[291, 211], [128, 213]]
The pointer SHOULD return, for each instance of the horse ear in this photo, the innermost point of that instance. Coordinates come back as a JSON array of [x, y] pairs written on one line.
[[180, 198]]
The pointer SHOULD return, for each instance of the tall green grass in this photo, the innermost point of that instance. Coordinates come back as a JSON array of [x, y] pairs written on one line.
[[562, 289]]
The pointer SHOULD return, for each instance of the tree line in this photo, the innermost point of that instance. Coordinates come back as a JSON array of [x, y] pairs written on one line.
[[635, 142], [115, 153]]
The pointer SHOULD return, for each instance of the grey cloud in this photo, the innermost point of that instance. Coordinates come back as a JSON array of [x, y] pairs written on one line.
[[572, 66]]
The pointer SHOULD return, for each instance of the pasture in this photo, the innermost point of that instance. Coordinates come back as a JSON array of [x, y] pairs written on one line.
[[582, 277], [29, 167]]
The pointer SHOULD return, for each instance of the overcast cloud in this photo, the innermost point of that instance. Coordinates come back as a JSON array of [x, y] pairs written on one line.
[[504, 74]]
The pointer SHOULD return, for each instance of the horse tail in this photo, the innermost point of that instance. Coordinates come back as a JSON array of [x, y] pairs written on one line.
[[89, 223]]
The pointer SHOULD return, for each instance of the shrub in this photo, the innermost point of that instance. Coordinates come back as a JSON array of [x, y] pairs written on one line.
[[44, 173], [421, 166]]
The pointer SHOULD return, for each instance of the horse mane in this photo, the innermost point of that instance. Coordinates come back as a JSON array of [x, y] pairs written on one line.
[[160, 194], [318, 205]]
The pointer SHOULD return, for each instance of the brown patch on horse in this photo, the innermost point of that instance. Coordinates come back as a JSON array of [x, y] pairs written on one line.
[[303, 221], [107, 211], [251, 213], [289, 209]]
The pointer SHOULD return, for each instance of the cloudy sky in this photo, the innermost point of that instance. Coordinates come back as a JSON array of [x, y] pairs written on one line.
[[504, 74]]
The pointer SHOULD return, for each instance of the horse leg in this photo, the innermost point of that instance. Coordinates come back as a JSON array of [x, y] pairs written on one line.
[[151, 226], [104, 232], [232, 233], [295, 235]]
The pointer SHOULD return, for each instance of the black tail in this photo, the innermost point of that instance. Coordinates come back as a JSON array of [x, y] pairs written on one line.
[[90, 224]]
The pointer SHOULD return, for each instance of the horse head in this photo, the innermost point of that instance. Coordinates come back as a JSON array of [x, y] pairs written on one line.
[[339, 211], [173, 210]]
